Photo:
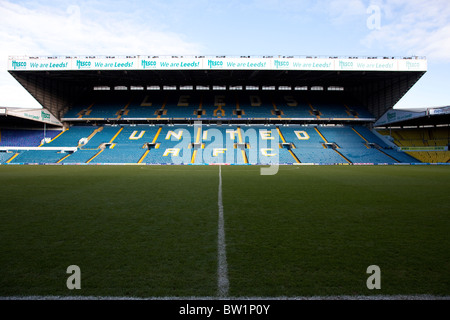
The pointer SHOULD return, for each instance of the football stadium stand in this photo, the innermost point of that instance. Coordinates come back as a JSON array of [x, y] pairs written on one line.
[[270, 110], [427, 144], [208, 144]]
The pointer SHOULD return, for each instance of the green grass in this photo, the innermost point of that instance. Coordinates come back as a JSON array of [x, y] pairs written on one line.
[[132, 231], [151, 231], [315, 230]]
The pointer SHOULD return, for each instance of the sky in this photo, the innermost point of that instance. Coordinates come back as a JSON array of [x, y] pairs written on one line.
[[344, 28]]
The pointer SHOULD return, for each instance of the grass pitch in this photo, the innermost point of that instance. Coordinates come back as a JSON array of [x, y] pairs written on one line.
[[151, 231]]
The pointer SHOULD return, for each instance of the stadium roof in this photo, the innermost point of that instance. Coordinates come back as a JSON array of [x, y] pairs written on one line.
[[376, 82], [28, 118], [415, 117]]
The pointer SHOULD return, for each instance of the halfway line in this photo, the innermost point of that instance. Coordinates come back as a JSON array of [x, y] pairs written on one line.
[[222, 271]]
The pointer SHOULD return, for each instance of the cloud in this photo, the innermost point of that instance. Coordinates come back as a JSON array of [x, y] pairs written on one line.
[[344, 11], [81, 30], [78, 30], [413, 27]]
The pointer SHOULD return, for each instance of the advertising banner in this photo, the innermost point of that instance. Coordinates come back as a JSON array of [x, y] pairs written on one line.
[[392, 116], [212, 63], [41, 115]]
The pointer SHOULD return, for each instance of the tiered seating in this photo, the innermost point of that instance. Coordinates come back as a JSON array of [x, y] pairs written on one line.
[[216, 104], [80, 156], [75, 110], [221, 145], [220, 105], [101, 105], [329, 107], [128, 145], [293, 106], [361, 112], [24, 138], [104, 110], [309, 146], [372, 138], [256, 105], [171, 145], [72, 136], [87, 151], [184, 144], [144, 106], [353, 146], [423, 137], [181, 106], [431, 156], [103, 135], [5, 156], [38, 156], [265, 146]]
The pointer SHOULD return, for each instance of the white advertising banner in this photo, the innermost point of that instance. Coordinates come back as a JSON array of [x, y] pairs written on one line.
[[437, 111], [211, 63], [392, 116], [105, 64], [38, 64], [41, 115], [169, 63], [303, 64]]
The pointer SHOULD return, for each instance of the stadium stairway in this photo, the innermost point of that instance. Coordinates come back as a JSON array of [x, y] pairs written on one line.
[[221, 144], [308, 146], [354, 146], [171, 145], [126, 146], [5, 157], [333, 144], [377, 143]]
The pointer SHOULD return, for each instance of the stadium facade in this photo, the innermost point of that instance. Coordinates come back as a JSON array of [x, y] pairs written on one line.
[[212, 109]]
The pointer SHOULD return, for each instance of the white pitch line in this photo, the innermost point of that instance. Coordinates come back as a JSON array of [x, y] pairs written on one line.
[[222, 270], [282, 298]]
